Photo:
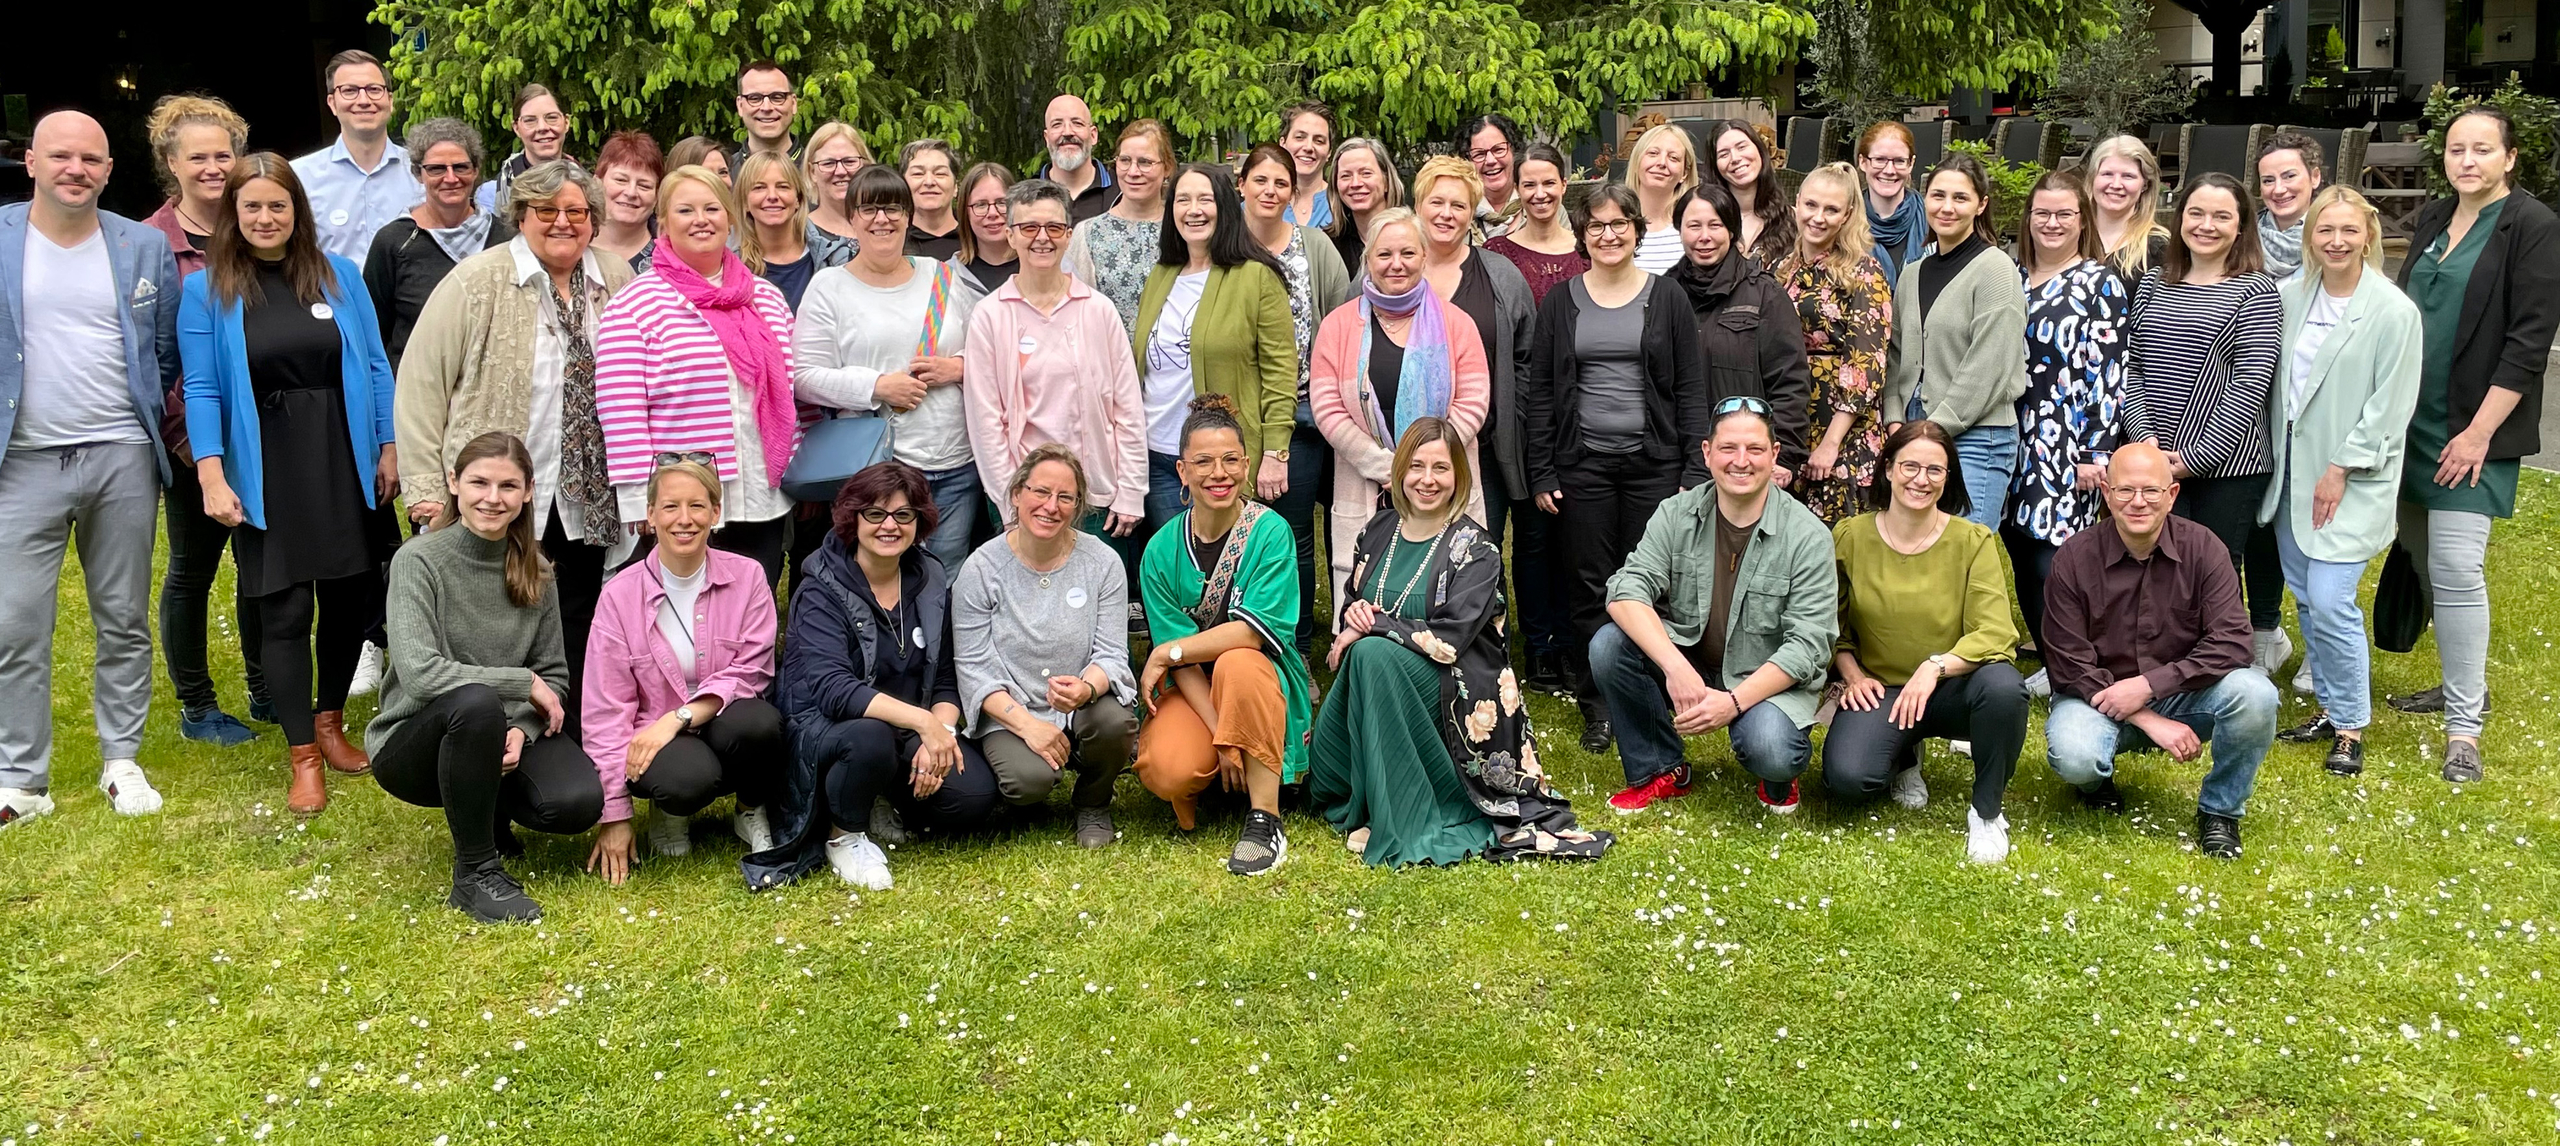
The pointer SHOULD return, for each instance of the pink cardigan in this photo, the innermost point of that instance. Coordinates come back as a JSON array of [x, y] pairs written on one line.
[[633, 678], [1362, 455], [662, 379], [1082, 392]]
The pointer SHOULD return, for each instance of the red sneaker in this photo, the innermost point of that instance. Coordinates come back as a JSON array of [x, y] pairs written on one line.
[[1667, 785], [1780, 801]]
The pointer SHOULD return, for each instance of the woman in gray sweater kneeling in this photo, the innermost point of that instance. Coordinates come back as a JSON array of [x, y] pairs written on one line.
[[471, 698]]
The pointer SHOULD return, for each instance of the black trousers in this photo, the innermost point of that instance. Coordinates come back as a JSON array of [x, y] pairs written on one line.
[[866, 759], [343, 608], [1310, 485], [742, 750], [196, 543], [2031, 558], [1608, 498], [1536, 573], [2229, 507], [766, 541], [578, 569], [1987, 706], [450, 756], [2262, 578]]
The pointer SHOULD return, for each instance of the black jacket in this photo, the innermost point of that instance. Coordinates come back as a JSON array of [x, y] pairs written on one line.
[[1677, 405], [403, 268], [2508, 313], [1754, 345]]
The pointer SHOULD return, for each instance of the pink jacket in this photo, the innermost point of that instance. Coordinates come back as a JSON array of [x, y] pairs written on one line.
[[632, 677], [1362, 455], [1064, 377], [662, 379]]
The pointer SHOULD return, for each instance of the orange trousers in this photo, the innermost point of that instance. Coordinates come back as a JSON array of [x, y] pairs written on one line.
[[1178, 751]]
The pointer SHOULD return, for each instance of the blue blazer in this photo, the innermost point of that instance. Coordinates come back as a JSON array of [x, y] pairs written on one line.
[[222, 407], [144, 273]]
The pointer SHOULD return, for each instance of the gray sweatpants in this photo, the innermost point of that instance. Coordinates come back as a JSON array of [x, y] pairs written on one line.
[[108, 496], [2452, 548]]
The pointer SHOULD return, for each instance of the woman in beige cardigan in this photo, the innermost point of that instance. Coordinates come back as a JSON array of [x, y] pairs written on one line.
[[507, 343], [1376, 370]]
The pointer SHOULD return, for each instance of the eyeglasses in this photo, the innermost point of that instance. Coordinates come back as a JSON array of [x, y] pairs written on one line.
[[697, 457], [878, 210], [360, 91], [988, 207], [1042, 230], [1741, 402], [875, 515], [1610, 226], [1890, 162], [2139, 494], [555, 119], [843, 165], [769, 99], [1049, 496], [1489, 154], [440, 170], [550, 213], [1140, 162], [1915, 469], [2067, 216]]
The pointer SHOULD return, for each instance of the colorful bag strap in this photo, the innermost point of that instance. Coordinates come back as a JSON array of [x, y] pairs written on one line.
[[934, 308]]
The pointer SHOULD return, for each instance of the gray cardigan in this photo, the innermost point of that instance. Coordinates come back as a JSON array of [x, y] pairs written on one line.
[[1012, 629], [1968, 360]]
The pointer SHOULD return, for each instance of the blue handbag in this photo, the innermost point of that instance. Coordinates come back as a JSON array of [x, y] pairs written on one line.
[[832, 451]]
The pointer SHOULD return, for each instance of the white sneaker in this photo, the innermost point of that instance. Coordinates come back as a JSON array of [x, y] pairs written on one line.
[[128, 789], [1985, 841], [2302, 680], [752, 826], [2269, 649], [1908, 789], [670, 834], [858, 861], [20, 804], [368, 671], [1962, 748], [2040, 686]]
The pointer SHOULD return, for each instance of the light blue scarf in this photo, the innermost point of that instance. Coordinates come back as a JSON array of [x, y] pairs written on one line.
[[1423, 384]]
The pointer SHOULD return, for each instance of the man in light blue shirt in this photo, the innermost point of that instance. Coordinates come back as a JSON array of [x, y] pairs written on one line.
[[362, 180]]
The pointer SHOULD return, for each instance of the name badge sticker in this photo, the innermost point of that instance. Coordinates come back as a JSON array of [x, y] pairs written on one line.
[[321, 311], [1075, 597]]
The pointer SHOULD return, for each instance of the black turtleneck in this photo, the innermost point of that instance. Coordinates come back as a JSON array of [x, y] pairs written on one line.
[[1941, 266]]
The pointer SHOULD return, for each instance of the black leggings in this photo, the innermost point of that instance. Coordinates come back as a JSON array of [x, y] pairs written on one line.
[[1987, 706], [448, 756], [741, 750], [2031, 558], [346, 606], [866, 759], [196, 543], [2229, 507]]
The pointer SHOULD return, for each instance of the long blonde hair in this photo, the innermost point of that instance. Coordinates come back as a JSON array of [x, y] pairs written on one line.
[[1852, 241], [753, 167], [2132, 254], [2337, 194]]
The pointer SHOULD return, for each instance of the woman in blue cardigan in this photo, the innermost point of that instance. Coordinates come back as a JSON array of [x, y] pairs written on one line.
[[288, 395]]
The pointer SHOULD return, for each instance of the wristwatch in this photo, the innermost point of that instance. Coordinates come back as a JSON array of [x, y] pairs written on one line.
[[1278, 455], [684, 713], [1173, 653], [1938, 661]]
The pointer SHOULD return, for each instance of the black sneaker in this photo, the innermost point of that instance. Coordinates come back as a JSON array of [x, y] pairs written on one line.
[[262, 710], [1595, 731], [1094, 828], [2217, 836], [2310, 731], [510, 845], [2105, 797], [2346, 757], [489, 895], [1547, 675], [2461, 762], [2427, 702], [1263, 846], [888, 828]]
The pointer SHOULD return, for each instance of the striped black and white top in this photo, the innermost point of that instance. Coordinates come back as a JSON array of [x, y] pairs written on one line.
[[2199, 364]]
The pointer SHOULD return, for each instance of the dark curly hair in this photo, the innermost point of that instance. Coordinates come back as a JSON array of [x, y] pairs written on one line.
[[875, 486]]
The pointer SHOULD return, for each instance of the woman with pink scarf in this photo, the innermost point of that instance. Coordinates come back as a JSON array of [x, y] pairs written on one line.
[[1392, 355], [693, 363]]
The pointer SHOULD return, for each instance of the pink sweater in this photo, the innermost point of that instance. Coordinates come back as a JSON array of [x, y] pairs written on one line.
[[1065, 377], [1362, 455], [662, 380], [633, 678]]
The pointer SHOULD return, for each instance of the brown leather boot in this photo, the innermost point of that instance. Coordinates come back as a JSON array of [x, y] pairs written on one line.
[[330, 729], [309, 791]]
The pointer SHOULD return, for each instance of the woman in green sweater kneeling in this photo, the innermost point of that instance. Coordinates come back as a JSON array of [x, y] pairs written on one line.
[[471, 698]]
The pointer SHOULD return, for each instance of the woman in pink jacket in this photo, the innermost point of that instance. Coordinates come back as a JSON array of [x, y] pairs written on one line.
[[677, 667], [1392, 355]]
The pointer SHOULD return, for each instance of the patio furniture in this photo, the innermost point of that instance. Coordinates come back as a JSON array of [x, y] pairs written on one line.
[[2228, 148], [2395, 178]]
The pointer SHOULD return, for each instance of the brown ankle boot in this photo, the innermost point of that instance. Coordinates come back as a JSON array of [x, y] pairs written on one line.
[[309, 791], [330, 729]]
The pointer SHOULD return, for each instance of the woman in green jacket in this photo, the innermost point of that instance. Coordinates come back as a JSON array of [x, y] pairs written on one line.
[[2341, 406]]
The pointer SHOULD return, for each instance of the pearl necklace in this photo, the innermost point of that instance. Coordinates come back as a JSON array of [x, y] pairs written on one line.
[[1418, 570]]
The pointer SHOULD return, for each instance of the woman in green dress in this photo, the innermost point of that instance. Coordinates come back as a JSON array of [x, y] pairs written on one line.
[[2484, 269], [1423, 752], [1225, 689]]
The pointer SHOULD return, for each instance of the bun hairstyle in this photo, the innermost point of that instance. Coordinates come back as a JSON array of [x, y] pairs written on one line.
[[1210, 413], [176, 113], [527, 570]]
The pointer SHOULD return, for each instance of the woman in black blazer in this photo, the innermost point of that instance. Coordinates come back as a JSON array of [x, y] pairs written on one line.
[[2484, 269]]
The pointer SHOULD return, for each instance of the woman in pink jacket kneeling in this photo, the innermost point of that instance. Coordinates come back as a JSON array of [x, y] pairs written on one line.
[[1391, 355], [677, 668]]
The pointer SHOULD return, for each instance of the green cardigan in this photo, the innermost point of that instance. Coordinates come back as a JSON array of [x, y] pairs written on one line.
[[2364, 386], [1968, 359], [1243, 345]]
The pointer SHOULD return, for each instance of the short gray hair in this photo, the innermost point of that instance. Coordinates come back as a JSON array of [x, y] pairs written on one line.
[[1031, 191], [542, 182], [427, 133]]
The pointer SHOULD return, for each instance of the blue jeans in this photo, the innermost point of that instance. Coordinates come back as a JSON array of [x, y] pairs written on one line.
[[2237, 715], [957, 498], [1768, 744], [2324, 593], [1988, 455]]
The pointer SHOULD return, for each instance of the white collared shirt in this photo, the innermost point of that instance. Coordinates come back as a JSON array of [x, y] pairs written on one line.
[[550, 360], [349, 203]]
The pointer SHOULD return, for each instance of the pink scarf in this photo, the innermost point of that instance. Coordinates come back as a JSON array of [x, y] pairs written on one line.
[[754, 352]]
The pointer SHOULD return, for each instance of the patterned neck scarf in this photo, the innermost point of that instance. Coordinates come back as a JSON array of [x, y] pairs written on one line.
[[463, 239], [1427, 376], [582, 465]]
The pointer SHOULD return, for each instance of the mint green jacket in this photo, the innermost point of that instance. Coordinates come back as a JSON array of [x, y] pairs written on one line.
[[1786, 596], [2364, 386]]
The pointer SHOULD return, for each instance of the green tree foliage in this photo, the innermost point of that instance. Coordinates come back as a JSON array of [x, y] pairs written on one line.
[[2537, 134], [2115, 81]]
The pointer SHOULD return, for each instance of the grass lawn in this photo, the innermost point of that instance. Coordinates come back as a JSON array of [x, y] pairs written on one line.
[[2379, 968]]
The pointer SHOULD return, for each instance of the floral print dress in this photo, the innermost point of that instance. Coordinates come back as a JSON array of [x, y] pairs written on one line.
[[1113, 255], [2075, 385], [1847, 322]]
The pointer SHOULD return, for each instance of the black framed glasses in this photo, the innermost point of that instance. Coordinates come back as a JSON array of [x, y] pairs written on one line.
[[360, 91], [1742, 402], [769, 99], [875, 515]]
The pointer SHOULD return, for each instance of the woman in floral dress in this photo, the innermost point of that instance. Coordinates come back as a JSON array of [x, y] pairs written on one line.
[[1847, 311]]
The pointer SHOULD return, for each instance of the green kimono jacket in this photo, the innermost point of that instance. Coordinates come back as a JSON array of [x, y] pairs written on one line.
[[1264, 594]]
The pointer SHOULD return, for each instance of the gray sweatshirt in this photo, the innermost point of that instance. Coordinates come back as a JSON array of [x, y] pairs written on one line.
[[1012, 633], [451, 624]]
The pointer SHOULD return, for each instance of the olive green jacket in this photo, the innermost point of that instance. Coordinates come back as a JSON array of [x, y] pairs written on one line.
[[1243, 345]]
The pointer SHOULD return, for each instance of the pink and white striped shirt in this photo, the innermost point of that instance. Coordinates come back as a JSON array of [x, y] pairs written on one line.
[[662, 380]]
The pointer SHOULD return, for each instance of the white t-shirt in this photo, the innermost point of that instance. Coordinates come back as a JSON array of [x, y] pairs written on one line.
[[2318, 323], [1169, 390], [74, 392], [676, 617]]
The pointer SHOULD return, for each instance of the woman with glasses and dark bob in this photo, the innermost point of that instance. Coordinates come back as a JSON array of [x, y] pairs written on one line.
[[1925, 640], [871, 691], [1617, 411]]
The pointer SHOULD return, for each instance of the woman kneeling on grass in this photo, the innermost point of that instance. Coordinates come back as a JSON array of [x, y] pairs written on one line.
[[1226, 689], [1423, 752], [674, 696], [870, 691], [471, 712]]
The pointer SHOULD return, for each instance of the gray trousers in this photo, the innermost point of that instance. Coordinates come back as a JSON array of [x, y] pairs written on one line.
[[108, 497], [2452, 548]]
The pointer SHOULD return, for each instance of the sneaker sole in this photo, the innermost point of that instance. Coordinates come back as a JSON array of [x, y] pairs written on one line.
[[1781, 809]]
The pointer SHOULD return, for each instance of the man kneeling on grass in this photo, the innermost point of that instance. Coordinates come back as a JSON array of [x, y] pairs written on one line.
[[1722, 618], [2147, 643]]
